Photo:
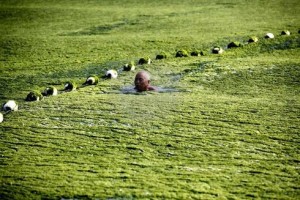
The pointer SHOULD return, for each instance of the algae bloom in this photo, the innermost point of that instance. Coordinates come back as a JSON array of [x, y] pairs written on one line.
[[182, 53]]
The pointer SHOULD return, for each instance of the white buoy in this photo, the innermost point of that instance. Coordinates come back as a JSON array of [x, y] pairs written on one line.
[[92, 80], [55, 92], [269, 36], [217, 50], [111, 74], [50, 91], [10, 105], [149, 61], [285, 32], [70, 86]]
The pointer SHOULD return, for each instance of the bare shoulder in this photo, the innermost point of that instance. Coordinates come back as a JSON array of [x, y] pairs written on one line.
[[152, 88]]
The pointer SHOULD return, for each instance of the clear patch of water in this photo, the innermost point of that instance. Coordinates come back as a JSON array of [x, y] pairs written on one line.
[[131, 90]]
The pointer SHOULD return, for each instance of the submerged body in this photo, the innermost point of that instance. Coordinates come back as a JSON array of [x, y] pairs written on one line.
[[142, 82]]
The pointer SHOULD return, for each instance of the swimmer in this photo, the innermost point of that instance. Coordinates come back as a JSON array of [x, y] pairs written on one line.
[[142, 82]]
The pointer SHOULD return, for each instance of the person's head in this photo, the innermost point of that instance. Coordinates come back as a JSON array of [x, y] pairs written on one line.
[[142, 81]]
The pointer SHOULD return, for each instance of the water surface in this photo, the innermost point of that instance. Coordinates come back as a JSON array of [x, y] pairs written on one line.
[[131, 90]]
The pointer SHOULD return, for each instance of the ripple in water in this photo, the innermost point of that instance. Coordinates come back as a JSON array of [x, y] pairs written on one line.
[[131, 90]]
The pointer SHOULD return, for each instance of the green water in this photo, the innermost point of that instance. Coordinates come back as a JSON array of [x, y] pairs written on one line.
[[220, 126]]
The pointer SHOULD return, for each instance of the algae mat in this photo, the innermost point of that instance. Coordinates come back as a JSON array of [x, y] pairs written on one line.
[[221, 126]]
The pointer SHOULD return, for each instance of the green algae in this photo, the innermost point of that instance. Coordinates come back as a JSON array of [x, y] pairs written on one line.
[[197, 53], [232, 133], [129, 66], [161, 56], [235, 44], [145, 60], [253, 39], [182, 53], [34, 96]]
